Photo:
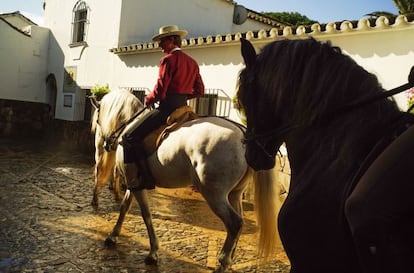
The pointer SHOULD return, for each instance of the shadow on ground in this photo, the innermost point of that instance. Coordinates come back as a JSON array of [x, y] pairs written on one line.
[[48, 225]]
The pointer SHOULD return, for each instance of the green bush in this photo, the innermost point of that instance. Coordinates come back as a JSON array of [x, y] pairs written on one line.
[[100, 90]]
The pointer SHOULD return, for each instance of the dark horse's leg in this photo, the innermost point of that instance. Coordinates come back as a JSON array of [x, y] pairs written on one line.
[[380, 210]]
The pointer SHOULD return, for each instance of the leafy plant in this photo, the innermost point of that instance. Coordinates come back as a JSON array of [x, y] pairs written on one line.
[[293, 18], [100, 90]]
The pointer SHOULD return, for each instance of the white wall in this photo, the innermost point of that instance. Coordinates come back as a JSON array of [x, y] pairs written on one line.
[[140, 20], [24, 63], [382, 50], [92, 60], [121, 22]]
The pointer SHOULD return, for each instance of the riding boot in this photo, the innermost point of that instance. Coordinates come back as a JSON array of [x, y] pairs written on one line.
[[147, 179]]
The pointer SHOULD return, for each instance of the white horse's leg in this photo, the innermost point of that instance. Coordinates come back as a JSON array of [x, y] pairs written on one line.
[[233, 223], [124, 208], [141, 197], [235, 199], [130, 172]]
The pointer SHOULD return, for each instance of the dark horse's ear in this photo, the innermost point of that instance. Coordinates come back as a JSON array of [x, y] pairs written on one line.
[[248, 52]]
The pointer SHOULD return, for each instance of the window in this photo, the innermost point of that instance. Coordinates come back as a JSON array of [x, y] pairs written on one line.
[[80, 22]]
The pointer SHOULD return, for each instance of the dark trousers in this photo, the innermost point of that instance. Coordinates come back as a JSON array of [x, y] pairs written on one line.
[[380, 210], [133, 139]]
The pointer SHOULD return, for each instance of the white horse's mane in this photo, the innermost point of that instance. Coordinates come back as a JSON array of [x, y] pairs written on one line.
[[118, 106]]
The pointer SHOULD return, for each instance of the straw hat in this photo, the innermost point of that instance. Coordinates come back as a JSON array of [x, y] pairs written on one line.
[[166, 31]]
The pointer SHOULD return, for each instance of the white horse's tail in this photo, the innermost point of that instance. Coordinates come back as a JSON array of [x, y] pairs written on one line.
[[267, 206]]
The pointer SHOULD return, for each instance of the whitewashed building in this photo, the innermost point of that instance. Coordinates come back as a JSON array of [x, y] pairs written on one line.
[[88, 34], [96, 42], [23, 59]]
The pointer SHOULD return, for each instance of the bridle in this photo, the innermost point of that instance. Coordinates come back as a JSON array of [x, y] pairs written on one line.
[[261, 140], [109, 141]]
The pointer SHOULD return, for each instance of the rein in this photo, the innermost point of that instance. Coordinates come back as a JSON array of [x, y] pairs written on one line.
[[109, 140], [382, 95], [279, 132]]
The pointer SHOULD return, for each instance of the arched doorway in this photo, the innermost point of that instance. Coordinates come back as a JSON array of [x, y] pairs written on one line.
[[51, 93]]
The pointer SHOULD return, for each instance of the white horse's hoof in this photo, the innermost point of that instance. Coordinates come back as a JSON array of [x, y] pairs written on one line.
[[219, 269], [150, 261], [110, 242]]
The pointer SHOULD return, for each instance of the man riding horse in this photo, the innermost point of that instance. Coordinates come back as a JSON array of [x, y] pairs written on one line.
[[178, 80]]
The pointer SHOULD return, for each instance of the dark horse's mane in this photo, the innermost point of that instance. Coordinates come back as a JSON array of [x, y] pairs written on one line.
[[308, 85]]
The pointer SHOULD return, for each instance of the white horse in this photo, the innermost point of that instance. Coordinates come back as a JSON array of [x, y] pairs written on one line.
[[207, 153]]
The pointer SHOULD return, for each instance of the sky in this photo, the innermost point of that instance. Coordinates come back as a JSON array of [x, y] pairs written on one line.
[[323, 11], [32, 9]]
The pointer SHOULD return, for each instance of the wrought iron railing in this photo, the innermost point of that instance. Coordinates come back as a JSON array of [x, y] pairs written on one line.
[[214, 102]]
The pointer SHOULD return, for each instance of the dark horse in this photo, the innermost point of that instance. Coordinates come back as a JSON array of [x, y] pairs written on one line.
[[335, 121]]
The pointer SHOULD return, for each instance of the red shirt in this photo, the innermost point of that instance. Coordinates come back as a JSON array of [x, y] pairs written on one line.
[[178, 74]]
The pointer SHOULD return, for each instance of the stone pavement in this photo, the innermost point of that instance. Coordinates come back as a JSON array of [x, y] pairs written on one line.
[[48, 225]]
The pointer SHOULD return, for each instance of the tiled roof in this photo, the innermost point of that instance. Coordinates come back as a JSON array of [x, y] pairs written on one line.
[[264, 19], [18, 14], [13, 27], [257, 16], [364, 25], [26, 30]]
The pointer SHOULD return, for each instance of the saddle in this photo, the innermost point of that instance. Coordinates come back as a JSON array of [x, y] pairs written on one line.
[[174, 122]]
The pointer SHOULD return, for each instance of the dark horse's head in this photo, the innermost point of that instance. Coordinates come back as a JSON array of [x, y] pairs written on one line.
[[260, 151], [291, 84]]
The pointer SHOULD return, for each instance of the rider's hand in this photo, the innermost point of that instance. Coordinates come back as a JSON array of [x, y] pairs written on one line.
[[148, 102]]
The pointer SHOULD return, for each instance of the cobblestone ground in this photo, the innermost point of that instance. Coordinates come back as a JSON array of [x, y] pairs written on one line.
[[48, 225]]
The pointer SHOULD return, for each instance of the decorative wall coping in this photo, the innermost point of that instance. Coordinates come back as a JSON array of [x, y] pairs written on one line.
[[362, 26]]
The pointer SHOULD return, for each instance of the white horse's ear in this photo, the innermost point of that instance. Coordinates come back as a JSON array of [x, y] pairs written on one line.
[[248, 52], [94, 102]]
